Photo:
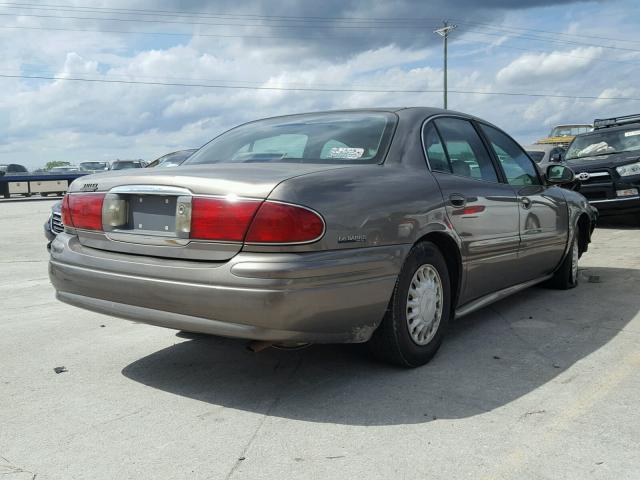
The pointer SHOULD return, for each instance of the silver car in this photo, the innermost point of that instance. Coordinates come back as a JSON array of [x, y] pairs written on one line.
[[356, 226]]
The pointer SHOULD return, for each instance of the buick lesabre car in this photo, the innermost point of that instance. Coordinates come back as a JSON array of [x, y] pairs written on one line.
[[356, 226]]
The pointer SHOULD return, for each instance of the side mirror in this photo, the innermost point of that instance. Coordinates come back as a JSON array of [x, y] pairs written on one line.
[[560, 175], [556, 158], [2, 172]]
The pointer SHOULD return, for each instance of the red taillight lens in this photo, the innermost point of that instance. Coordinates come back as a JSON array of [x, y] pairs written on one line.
[[83, 210], [221, 219], [284, 223]]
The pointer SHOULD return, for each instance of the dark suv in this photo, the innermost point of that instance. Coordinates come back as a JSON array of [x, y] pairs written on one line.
[[607, 163]]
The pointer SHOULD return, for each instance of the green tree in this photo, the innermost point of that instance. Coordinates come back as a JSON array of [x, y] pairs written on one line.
[[58, 163]]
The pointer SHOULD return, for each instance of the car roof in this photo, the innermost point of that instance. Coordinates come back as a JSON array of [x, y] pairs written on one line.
[[616, 128]]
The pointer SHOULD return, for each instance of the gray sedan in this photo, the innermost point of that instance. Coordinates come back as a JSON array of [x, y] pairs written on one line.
[[375, 226]]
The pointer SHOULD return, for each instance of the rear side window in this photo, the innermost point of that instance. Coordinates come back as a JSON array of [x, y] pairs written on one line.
[[335, 138], [467, 154], [435, 151], [517, 167]]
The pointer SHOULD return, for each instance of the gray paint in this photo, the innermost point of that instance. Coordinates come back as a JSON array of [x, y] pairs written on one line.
[[335, 289]]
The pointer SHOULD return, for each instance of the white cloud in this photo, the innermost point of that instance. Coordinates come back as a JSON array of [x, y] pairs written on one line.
[[530, 68]]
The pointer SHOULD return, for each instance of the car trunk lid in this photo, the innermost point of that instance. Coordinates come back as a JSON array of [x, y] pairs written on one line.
[[144, 211]]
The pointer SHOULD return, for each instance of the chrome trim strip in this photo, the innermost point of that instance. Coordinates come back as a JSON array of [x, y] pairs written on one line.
[[621, 199], [150, 190], [495, 296], [143, 239]]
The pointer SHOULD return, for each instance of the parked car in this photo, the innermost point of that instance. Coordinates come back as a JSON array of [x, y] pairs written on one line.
[[607, 163], [173, 159], [12, 169], [94, 166], [562, 135], [53, 225], [127, 164], [545, 155], [354, 226], [64, 169]]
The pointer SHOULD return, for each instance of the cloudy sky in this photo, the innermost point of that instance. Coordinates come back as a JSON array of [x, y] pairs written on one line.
[[286, 56]]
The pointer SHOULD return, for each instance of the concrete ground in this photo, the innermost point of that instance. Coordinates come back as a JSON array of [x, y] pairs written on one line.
[[543, 385]]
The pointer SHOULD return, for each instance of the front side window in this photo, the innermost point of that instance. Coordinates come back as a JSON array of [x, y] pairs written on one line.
[[466, 153], [334, 138], [517, 167]]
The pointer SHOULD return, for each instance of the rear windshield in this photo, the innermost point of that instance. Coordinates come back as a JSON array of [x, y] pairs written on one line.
[[535, 155], [570, 130], [349, 137]]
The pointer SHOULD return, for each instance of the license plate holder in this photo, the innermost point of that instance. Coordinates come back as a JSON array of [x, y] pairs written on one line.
[[153, 213]]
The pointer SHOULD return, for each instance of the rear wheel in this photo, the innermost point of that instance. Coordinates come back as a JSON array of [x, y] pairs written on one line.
[[414, 325], [566, 276]]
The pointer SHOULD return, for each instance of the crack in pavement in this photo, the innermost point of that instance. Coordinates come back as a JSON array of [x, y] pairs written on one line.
[[263, 420]]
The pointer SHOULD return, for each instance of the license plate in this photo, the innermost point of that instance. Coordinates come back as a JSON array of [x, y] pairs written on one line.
[[629, 192], [153, 213]]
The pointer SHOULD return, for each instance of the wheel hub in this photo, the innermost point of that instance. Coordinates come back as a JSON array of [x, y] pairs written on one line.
[[424, 304]]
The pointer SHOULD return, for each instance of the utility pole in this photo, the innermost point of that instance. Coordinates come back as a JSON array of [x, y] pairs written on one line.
[[444, 33]]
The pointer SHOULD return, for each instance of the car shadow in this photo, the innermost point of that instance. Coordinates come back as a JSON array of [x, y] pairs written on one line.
[[626, 222], [489, 358]]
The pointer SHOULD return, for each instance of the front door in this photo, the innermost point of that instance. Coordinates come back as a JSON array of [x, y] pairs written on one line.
[[483, 211], [543, 209]]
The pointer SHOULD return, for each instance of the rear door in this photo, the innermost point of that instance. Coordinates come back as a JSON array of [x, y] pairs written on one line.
[[543, 209], [483, 211]]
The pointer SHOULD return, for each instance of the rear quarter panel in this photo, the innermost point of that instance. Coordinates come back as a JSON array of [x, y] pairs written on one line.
[[367, 206]]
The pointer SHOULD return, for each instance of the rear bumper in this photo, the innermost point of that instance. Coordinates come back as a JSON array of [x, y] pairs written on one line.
[[325, 297]]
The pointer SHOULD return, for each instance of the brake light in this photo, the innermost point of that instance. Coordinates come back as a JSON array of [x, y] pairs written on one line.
[[285, 223], [221, 219], [83, 210]]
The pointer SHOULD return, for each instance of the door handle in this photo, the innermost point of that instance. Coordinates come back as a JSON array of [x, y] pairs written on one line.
[[526, 202], [457, 200]]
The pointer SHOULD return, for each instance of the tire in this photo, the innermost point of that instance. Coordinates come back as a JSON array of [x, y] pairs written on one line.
[[566, 276], [393, 341]]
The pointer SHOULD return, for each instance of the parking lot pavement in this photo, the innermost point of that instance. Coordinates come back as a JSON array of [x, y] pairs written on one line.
[[543, 385]]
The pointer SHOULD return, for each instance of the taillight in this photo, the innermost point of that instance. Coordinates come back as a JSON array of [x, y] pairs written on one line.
[[83, 210], [221, 218], [285, 223]]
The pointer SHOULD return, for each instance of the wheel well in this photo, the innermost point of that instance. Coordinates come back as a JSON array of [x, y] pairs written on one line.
[[584, 230], [451, 253]]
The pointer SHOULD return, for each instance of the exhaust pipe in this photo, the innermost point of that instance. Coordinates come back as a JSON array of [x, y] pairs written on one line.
[[256, 346]]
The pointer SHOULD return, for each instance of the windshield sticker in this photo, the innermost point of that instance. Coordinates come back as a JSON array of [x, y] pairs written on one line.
[[632, 133], [346, 152]]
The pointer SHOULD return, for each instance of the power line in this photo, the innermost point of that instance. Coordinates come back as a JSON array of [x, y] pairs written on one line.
[[139, 20], [531, 37], [309, 37], [560, 42], [313, 89], [398, 20], [518, 29]]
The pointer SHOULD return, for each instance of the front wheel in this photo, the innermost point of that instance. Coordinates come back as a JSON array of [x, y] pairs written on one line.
[[418, 313], [566, 276]]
